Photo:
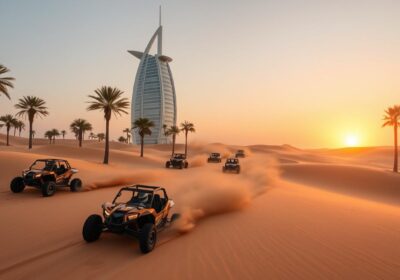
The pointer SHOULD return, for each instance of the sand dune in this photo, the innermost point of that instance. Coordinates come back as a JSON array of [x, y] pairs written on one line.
[[291, 214], [368, 183]]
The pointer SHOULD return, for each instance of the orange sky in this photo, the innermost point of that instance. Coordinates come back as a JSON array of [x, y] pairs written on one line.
[[261, 72]]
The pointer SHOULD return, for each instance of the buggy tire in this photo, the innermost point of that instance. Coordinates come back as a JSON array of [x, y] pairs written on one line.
[[92, 228], [48, 188], [223, 169], [167, 164], [186, 164], [175, 217], [17, 185], [147, 238], [75, 185]]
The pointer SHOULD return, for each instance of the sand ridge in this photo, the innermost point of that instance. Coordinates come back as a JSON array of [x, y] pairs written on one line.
[[291, 214]]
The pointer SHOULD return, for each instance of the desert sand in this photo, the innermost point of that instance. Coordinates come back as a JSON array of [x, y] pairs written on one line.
[[291, 214]]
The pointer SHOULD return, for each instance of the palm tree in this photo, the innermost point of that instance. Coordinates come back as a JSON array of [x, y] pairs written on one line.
[[391, 118], [187, 127], [15, 125], [33, 133], [21, 126], [173, 130], [164, 127], [122, 139], [49, 134], [128, 135], [109, 100], [31, 106], [165, 132], [83, 134], [143, 126], [63, 132], [8, 121], [55, 133], [79, 126], [75, 131], [92, 135], [5, 82], [100, 136]]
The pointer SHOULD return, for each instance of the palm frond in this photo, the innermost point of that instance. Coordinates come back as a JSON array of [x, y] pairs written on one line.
[[108, 100], [5, 82]]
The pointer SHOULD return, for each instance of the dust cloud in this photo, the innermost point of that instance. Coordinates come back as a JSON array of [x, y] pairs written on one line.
[[219, 193]]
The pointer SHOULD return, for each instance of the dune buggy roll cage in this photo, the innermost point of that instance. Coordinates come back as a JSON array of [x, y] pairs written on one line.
[[142, 188], [53, 161]]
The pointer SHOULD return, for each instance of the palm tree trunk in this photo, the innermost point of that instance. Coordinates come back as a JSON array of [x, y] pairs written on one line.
[[107, 140], [395, 164], [141, 145], [173, 144], [30, 132], [186, 134], [15, 130], [19, 133], [8, 135]]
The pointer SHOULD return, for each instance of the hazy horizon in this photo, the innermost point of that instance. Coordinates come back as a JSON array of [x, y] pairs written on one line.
[[307, 74]]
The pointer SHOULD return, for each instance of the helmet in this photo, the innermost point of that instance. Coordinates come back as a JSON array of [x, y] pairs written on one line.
[[143, 197]]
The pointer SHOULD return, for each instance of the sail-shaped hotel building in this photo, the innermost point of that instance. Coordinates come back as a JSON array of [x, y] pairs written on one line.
[[154, 95]]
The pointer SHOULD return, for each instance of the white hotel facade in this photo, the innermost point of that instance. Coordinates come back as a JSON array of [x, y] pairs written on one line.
[[154, 94]]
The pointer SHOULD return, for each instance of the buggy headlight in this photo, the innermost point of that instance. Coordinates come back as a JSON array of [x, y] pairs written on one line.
[[38, 175], [106, 213]]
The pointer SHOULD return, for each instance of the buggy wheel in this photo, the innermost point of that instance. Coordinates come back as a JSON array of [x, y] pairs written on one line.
[[186, 164], [223, 169], [167, 164], [147, 238], [75, 185], [17, 185], [48, 188], [175, 217], [181, 165], [92, 228]]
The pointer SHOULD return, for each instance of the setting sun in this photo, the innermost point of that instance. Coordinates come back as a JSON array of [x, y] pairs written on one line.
[[351, 140]]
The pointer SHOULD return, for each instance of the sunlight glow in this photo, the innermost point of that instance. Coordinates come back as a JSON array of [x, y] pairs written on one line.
[[351, 140]]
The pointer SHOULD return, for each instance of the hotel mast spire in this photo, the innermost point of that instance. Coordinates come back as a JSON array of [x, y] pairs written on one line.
[[159, 39], [154, 95]]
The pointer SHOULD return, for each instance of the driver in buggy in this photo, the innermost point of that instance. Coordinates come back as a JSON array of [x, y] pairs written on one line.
[[49, 165], [142, 199]]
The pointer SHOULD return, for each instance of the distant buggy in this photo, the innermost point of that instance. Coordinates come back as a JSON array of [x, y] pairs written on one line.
[[240, 154], [177, 161], [231, 165], [46, 175], [214, 157], [139, 211]]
